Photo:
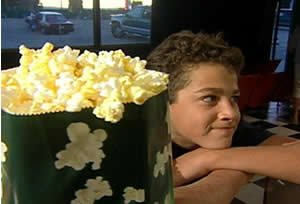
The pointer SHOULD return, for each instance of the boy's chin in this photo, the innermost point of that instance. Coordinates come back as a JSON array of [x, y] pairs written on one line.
[[217, 145]]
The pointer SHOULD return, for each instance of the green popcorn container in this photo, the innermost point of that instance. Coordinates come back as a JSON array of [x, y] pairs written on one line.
[[75, 157]]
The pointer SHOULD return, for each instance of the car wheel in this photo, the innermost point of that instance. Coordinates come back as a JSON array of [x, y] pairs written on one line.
[[117, 30]]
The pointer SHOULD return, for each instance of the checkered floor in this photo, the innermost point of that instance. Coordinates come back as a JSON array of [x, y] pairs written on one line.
[[273, 117], [276, 127]]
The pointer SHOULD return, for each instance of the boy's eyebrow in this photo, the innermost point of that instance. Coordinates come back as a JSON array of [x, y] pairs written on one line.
[[237, 91], [216, 90]]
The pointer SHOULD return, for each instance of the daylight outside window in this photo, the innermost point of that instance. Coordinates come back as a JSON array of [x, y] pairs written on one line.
[[70, 22], [125, 21], [34, 22]]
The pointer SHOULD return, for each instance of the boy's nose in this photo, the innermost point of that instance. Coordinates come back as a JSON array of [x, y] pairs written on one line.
[[228, 111]]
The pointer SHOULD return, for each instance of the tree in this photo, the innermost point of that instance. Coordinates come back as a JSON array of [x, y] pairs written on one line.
[[75, 6], [31, 5]]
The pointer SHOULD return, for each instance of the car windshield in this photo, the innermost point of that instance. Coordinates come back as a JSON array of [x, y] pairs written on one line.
[[54, 18]]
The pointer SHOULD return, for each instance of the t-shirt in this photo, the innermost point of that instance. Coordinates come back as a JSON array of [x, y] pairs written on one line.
[[245, 135]]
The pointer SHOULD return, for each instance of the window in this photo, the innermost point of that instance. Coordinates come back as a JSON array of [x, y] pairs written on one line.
[[281, 32], [125, 22], [71, 22], [61, 22]]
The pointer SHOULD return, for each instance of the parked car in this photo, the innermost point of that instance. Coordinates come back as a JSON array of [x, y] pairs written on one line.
[[51, 22], [135, 21]]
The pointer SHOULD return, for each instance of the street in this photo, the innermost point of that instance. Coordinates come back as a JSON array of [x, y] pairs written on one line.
[[16, 32]]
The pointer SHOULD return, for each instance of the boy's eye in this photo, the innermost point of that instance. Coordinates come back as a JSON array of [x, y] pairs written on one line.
[[209, 99], [236, 98]]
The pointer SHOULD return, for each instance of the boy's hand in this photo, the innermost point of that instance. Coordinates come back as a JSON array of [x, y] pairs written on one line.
[[192, 165], [291, 143]]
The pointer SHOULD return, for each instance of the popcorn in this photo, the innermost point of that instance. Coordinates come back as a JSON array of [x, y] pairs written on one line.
[[63, 80], [111, 109], [96, 189], [84, 147], [161, 160], [137, 195], [3, 159]]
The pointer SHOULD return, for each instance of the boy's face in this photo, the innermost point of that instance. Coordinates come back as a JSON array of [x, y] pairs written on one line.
[[205, 112]]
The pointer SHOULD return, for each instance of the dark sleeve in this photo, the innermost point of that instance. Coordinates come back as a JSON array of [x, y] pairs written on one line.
[[177, 151], [248, 135]]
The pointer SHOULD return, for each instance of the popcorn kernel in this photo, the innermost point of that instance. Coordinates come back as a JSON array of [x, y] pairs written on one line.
[[64, 79]]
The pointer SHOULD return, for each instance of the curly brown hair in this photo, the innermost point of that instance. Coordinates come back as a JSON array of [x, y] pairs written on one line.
[[180, 52]]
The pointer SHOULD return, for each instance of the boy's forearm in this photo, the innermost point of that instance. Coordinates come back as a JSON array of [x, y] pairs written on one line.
[[275, 161], [276, 157], [219, 186]]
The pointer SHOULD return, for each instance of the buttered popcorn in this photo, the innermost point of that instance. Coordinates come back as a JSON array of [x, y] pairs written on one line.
[[65, 80]]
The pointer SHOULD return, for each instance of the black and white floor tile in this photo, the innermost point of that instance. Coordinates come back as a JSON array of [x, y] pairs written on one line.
[[273, 117]]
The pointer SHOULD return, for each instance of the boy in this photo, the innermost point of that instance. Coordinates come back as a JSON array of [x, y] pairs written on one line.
[[214, 152]]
